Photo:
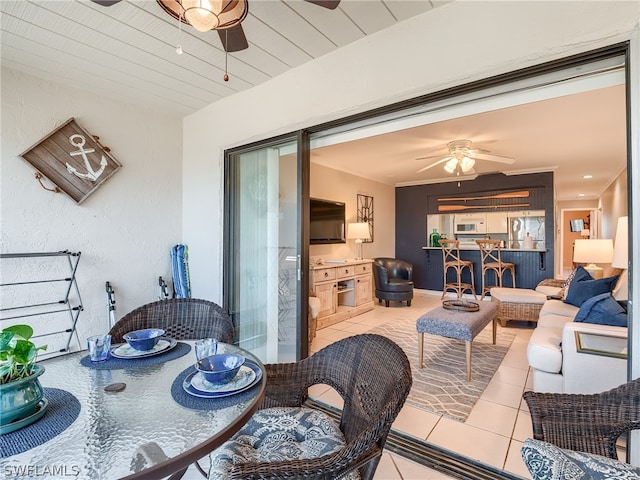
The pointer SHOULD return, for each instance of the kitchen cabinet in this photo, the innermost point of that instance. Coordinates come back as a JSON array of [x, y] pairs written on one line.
[[345, 290], [497, 222]]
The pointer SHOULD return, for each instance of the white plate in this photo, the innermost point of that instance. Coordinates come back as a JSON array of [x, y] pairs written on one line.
[[191, 390], [125, 351], [243, 378]]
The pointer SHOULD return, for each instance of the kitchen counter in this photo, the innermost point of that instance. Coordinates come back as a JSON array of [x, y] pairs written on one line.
[[475, 247]]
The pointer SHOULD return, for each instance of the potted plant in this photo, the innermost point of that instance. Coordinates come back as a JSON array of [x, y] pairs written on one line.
[[20, 389]]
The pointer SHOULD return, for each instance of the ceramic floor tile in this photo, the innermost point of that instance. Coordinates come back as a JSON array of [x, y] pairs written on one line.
[[514, 463], [516, 359], [331, 397], [503, 393], [413, 471], [492, 417], [523, 428], [415, 422], [475, 443], [510, 375], [356, 328], [387, 469]]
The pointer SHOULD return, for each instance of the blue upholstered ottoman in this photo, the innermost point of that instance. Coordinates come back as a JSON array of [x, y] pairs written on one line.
[[456, 324]]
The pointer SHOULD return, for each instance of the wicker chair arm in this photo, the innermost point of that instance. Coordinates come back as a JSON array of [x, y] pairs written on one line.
[[327, 467], [552, 282]]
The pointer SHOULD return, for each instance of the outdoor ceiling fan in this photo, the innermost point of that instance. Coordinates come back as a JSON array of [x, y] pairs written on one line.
[[462, 158], [224, 16]]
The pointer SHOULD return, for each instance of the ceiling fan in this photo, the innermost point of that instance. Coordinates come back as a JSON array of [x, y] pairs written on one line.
[[225, 16], [462, 158]]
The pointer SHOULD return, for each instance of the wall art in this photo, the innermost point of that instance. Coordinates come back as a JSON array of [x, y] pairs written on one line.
[[365, 213], [72, 159]]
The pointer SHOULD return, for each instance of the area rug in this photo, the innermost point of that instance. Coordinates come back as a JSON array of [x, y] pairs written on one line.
[[441, 386]]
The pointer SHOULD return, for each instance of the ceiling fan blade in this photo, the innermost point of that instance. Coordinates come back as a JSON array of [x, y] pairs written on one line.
[[432, 156], [106, 3], [330, 4], [233, 39], [443, 160], [493, 158]]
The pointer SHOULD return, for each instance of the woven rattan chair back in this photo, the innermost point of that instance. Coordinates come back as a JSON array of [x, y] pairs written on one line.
[[491, 257], [451, 260], [373, 376], [181, 318], [586, 423]]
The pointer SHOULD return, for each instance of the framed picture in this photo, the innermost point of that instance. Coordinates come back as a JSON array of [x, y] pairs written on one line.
[[365, 213], [73, 159]]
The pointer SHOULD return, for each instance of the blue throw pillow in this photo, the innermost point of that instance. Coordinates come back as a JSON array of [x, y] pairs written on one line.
[[583, 287], [603, 310]]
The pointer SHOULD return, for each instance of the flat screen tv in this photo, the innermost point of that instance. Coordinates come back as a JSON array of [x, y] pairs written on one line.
[[576, 225], [326, 222]]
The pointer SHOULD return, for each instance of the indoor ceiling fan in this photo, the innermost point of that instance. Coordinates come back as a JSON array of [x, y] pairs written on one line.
[[462, 158], [225, 16]]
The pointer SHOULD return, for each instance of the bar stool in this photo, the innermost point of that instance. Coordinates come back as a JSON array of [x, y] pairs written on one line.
[[492, 261], [451, 259]]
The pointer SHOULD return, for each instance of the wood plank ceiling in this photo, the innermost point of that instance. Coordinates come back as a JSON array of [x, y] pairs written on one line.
[[128, 51]]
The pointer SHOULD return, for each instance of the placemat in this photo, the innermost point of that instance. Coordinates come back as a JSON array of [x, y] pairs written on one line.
[[197, 403], [62, 411], [180, 350]]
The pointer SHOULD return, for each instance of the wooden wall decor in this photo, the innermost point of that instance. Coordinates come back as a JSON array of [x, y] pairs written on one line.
[[365, 213], [73, 159]]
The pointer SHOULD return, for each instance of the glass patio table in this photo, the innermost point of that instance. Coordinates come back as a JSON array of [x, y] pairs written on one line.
[[151, 429]]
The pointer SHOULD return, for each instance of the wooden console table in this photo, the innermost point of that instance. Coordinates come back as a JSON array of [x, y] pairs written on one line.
[[344, 290]]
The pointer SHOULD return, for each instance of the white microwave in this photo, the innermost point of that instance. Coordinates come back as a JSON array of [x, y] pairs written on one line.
[[470, 224]]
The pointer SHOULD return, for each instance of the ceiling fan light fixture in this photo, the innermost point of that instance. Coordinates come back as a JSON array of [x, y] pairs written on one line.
[[467, 164], [451, 165], [205, 15]]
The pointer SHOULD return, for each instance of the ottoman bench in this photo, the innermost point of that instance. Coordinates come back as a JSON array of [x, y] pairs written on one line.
[[517, 304], [457, 324]]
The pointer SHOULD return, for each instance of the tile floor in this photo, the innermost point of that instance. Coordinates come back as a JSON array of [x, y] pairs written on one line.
[[493, 432], [497, 425]]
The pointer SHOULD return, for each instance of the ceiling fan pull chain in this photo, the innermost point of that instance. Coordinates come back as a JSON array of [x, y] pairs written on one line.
[[226, 55], [179, 46]]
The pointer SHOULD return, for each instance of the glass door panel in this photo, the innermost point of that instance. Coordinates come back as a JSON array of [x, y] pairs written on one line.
[[263, 249]]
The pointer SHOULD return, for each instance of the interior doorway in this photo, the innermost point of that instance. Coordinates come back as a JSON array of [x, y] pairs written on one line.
[[575, 223]]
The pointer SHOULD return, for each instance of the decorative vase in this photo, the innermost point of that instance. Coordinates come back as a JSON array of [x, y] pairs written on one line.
[[19, 399], [434, 238]]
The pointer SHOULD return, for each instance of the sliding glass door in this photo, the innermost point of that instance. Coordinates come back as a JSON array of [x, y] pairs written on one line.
[[264, 248]]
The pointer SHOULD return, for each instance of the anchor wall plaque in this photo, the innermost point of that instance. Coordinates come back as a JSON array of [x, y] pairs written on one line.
[[73, 159]]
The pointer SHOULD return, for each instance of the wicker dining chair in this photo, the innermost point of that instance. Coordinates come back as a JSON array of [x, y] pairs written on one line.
[[586, 423], [373, 376], [181, 319]]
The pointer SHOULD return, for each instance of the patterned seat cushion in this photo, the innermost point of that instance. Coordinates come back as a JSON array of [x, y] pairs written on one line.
[[548, 462], [277, 434]]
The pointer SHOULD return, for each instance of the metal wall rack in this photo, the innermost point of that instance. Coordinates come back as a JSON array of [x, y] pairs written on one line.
[[47, 307]]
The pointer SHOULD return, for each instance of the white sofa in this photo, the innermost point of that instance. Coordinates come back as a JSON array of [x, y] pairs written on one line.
[[553, 355]]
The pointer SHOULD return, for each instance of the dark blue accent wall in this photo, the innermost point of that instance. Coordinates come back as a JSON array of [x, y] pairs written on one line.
[[414, 203]]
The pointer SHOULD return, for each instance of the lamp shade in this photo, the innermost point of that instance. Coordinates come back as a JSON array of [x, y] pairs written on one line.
[[358, 231], [593, 251], [621, 247]]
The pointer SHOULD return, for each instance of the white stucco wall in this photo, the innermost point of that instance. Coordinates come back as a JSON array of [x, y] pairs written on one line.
[[126, 228], [451, 45]]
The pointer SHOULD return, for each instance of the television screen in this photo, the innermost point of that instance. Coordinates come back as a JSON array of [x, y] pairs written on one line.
[[326, 222], [576, 225]]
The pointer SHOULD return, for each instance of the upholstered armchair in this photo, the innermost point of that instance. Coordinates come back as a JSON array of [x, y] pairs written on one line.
[[394, 280]]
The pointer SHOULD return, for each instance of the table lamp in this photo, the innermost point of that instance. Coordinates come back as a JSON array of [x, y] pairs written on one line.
[[593, 251], [359, 232]]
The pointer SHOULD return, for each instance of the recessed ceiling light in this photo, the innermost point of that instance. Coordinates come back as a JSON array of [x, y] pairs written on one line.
[[586, 177], [581, 194]]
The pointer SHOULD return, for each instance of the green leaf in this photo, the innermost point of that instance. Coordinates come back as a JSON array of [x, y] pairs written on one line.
[[24, 351], [24, 331], [5, 341]]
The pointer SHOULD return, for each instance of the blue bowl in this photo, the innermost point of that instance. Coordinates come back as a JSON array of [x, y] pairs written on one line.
[[221, 368], [143, 340]]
